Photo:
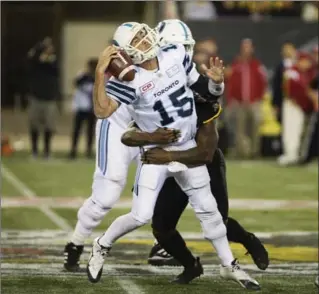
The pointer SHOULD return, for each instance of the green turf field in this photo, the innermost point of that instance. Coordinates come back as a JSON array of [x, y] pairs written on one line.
[[152, 284], [280, 204], [249, 179]]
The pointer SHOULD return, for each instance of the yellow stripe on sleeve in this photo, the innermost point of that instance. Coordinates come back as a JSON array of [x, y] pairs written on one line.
[[215, 116]]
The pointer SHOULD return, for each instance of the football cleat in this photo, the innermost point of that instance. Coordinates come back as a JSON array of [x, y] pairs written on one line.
[[72, 254], [189, 273], [235, 273], [96, 261], [258, 252], [159, 257], [317, 282]]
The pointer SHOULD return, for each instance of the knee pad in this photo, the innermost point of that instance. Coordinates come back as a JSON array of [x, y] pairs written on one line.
[[212, 225], [106, 192], [143, 219], [91, 214]]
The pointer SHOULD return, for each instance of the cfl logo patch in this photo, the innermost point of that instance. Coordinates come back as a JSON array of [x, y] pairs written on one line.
[[147, 87]]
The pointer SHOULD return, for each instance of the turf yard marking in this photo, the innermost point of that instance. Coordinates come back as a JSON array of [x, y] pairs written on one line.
[[129, 286], [235, 204], [47, 237], [129, 270], [28, 193]]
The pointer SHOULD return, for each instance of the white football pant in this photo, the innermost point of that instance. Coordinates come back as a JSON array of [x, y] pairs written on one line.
[[148, 183], [112, 162]]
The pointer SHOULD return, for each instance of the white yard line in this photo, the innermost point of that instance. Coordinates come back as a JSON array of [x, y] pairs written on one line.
[[28, 193], [114, 270], [129, 286], [235, 204], [55, 237]]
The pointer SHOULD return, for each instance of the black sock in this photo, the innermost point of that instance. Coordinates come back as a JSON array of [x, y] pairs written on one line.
[[175, 245], [34, 141], [47, 142], [236, 233]]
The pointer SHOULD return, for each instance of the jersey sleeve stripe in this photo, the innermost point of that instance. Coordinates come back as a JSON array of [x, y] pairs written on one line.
[[125, 94], [214, 117], [191, 66], [118, 96], [122, 87], [186, 61]]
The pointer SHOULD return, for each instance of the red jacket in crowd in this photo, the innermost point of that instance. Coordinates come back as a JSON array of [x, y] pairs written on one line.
[[247, 81], [296, 85]]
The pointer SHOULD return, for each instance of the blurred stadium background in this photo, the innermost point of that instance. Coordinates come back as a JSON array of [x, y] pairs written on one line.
[[40, 194]]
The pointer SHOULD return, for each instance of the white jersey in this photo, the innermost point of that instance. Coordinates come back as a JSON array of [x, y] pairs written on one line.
[[162, 98], [122, 116]]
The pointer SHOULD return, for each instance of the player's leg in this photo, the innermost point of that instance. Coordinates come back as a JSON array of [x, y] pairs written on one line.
[[195, 183], [112, 162], [235, 232], [149, 180], [171, 248]]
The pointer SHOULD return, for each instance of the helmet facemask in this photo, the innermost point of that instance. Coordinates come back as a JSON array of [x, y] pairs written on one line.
[[143, 45]]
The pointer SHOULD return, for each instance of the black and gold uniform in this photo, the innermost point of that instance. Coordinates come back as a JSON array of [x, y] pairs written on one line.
[[172, 201]]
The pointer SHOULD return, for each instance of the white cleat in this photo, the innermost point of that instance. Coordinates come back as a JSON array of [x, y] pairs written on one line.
[[96, 261], [317, 282], [235, 273]]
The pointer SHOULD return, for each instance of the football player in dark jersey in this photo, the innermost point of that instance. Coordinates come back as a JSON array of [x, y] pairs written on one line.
[[172, 201]]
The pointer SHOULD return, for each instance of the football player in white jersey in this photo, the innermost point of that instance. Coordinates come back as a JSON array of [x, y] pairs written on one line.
[[172, 200], [161, 95], [112, 162]]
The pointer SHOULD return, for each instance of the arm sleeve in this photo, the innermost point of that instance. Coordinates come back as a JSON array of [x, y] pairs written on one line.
[[120, 92], [202, 87]]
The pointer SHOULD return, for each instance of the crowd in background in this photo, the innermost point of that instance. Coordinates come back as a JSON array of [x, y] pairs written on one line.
[[256, 10], [294, 100], [294, 92], [293, 88]]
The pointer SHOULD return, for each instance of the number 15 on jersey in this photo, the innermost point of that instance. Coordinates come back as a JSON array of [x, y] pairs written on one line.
[[184, 106]]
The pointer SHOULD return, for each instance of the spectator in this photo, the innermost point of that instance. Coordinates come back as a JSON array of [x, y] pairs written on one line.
[[289, 55], [43, 92], [83, 108], [310, 11], [295, 107], [204, 50], [246, 88], [309, 148], [199, 10]]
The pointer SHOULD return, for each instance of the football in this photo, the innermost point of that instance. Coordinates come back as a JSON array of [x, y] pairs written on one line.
[[122, 67]]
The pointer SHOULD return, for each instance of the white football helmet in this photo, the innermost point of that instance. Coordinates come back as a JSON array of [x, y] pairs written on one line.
[[175, 31], [126, 32]]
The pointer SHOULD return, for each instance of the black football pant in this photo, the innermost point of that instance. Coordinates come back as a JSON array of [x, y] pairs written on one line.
[[171, 203]]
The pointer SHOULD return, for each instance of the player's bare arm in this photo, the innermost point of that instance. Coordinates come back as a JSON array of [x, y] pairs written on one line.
[[104, 106], [206, 138], [135, 137]]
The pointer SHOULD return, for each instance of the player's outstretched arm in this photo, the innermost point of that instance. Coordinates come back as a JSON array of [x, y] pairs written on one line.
[[207, 140], [104, 105], [162, 136], [211, 85]]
